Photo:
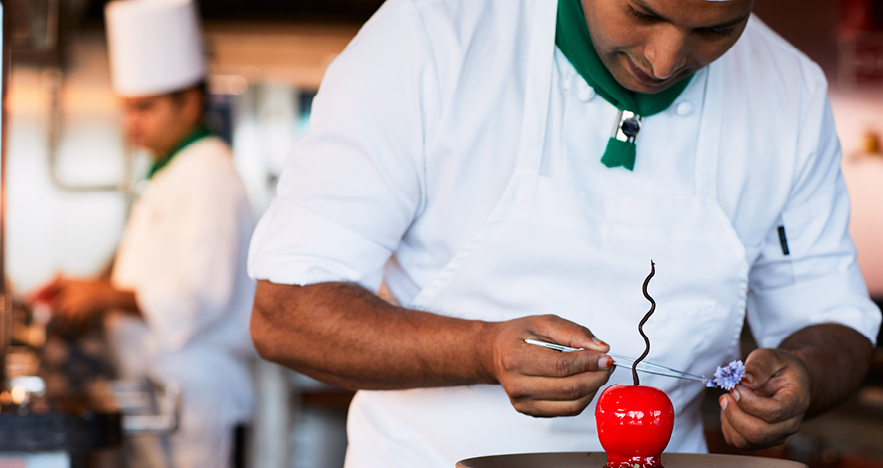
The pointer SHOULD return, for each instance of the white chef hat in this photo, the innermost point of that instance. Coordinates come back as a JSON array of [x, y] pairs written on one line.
[[155, 46]]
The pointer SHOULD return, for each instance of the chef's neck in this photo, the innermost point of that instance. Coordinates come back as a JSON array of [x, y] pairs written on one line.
[[163, 153]]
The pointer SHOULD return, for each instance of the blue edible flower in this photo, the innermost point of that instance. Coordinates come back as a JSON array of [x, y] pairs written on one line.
[[728, 376]]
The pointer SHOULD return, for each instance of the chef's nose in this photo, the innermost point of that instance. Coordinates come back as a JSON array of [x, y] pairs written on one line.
[[666, 52]]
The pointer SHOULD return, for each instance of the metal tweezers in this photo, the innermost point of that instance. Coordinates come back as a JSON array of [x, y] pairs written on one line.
[[643, 366]]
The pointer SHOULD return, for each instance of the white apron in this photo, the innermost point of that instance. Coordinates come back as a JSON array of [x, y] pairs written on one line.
[[552, 247]]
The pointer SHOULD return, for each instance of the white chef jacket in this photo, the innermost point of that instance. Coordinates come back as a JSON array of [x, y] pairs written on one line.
[[183, 253], [414, 134]]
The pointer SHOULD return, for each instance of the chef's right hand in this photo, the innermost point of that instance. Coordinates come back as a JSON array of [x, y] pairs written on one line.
[[45, 294], [543, 382]]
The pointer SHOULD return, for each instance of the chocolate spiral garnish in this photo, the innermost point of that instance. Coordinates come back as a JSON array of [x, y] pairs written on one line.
[[643, 321]]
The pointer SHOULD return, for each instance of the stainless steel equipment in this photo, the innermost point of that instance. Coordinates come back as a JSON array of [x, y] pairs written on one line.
[[147, 407], [5, 299]]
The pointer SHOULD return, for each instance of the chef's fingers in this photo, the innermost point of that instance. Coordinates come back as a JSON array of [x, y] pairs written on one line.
[[756, 377], [779, 388], [552, 408], [70, 305], [788, 401], [62, 289], [731, 436], [514, 360], [59, 304], [745, 431], [537, 361], [554, 329], [763, 365], [571, 388], [64, 307]]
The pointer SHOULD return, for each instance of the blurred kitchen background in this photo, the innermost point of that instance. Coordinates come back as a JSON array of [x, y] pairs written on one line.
[[71, 179]]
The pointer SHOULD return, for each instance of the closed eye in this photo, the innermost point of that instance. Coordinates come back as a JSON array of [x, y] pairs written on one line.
[[722, 32], [643, 17]]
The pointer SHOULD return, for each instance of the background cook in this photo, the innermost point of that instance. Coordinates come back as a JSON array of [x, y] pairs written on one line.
[[178, 299]]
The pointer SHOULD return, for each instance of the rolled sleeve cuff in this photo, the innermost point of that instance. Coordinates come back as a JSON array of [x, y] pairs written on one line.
[[293, 245], [842, 299]]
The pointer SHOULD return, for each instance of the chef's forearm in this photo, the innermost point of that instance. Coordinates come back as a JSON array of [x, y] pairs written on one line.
[[837, 358], [343, 334]]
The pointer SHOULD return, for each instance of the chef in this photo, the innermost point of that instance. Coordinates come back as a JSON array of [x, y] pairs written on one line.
[[178, 300], [508, 169]]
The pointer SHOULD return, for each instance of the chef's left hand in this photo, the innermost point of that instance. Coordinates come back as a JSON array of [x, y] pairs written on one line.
[[769, 404], [77, 301]]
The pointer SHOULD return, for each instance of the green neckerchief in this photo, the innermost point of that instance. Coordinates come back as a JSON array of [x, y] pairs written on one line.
[[195, 135], [572, 37]]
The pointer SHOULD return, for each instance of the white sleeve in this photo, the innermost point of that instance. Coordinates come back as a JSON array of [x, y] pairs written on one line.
[[808, 274], [353, 184]]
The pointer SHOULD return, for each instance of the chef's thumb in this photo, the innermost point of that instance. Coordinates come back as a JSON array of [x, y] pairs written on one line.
[[760, 366]]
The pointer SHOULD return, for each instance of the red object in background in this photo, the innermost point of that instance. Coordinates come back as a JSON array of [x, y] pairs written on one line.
[[856, 15], [634, 425], [861, 44], [867, 61], [45, 295]]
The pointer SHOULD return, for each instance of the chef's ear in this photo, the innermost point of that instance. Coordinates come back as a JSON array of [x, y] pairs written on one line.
[[192, 101]]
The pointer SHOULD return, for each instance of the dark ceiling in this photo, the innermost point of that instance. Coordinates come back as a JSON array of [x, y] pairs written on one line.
[[331, 10]]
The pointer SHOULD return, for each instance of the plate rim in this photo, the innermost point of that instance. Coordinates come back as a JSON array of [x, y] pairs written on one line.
[[781, 462]]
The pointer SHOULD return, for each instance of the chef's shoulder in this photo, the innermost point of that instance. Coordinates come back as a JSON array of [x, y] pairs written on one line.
[[210, 154], [463, 18], [441, 36], [779, 146], [774, 100], [207, 166], [765, 65]]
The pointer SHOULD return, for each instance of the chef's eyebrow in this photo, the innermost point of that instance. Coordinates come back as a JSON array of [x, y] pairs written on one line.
[[724, 25]]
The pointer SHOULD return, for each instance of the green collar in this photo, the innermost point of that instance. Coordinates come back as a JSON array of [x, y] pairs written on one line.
[[195, 135], [573, 38]]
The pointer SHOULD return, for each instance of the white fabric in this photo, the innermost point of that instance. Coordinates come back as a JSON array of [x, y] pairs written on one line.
[[413, 141], [155, 46], [183, 252]]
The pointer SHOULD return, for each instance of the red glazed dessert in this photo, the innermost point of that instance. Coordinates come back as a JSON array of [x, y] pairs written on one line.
[[634, 425]]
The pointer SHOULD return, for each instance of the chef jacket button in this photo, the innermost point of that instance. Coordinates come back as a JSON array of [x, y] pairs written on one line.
[[565, 83], [586, 93], [684, 108]]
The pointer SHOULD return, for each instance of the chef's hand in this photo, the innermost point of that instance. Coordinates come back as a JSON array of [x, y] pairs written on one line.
[[77, 300], [43, 294], [769, 404], [543, 382]]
